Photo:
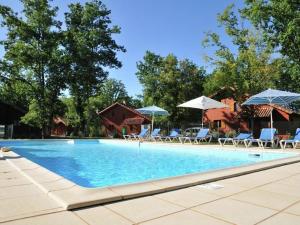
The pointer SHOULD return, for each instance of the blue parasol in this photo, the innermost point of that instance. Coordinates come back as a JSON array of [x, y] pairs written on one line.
[[153, 111], [272, 96]]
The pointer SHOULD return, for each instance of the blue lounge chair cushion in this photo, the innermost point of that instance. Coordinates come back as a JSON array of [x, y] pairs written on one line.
[[143, 133], [155, 132], [173, 133], [296, 138], [202, 133], [243, 136], [267, 134], [297, 135]]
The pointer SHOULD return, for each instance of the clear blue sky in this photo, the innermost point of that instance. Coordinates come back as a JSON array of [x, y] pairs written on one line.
[[161, 26]]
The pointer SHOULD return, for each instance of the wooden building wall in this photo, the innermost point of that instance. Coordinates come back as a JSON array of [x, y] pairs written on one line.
[[114, 120]]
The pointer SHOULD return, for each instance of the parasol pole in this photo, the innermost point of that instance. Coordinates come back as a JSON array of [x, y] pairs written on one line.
[[202, 117], [272, 126], [271, 115], [152, 122]]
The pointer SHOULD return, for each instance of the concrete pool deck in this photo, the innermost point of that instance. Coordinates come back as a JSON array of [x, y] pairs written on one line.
[[270, 196]]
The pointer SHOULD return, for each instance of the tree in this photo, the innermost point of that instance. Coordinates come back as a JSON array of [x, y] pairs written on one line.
[[15, 92], [168, 82], [280, 22], [136, 102], [89, 49], [70, 114], [110, 92], [32, 55], [248, 71]]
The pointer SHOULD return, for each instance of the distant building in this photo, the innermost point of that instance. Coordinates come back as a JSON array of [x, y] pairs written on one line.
[[10, 125], [59, 127], [119, 118], [249, 118], [286, 121]]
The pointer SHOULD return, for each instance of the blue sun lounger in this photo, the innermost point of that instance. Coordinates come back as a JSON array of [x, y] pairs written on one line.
[[236, 140], [202, 135], [293, 141], [142, 135], [173, 136], [155, 134], [129, 136], [267, 135]]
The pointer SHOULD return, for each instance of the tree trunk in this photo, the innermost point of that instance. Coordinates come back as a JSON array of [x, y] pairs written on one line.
[[80, 112]]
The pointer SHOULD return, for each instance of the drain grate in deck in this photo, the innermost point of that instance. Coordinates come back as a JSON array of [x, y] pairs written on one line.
[[211, 186]]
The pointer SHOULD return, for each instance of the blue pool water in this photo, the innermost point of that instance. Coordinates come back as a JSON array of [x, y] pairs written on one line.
[[107, 163]]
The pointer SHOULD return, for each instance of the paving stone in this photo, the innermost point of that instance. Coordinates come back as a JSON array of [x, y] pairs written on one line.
[[187, 197], [101, 216], [19, 191], [282, 219], [235, 211], [294, 209], [24, 205], [186, 217], [61, 218], [267, 199], [142, 209]]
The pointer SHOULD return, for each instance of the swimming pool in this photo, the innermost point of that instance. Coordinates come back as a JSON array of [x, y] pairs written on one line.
[[93, 163]]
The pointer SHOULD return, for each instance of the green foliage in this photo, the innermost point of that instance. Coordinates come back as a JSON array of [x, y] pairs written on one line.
[[70, 115], [32, 116], [280, 22], [136, 102], [250, 70], [168, 82], [16, 93], [89, 49], [32, 56], [112, 91], [41, 59]]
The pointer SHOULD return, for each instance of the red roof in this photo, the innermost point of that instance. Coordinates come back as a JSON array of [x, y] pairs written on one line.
[[262, 111], [58, 120], [126, 107], [265, 110]]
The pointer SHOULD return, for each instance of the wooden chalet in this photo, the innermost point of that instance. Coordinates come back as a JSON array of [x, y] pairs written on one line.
[[59, 127], [249, 118], [119, 119]]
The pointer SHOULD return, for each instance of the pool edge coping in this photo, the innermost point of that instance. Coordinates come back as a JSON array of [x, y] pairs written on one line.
[[72, 196]]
